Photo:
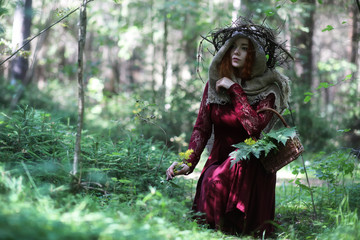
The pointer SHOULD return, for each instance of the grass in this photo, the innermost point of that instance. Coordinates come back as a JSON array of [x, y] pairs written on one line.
[[54, 213], [295, 218], [122, 192]]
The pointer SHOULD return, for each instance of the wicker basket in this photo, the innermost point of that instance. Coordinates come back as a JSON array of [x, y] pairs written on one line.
[[285, 154]]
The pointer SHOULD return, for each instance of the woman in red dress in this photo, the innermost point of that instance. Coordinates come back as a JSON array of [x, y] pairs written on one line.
[[242, 80]]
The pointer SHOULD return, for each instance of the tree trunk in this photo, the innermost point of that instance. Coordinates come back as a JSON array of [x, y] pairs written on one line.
[[304, 43], [153, 44], [21, 32], [354, 55], [81, 44], [165, 59], [354, 58], [302, 31]]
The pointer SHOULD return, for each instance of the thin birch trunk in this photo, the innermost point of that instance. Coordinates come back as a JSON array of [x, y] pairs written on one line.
[[21, 32], [81, 44], [165, 66], [153, 60], [354, 54]]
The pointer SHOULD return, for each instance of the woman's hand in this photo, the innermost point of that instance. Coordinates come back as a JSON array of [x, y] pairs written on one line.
[[224, 83], [170, 173]]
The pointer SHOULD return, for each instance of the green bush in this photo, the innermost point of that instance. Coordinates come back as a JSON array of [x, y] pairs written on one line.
[[25, 214], [31, 140]]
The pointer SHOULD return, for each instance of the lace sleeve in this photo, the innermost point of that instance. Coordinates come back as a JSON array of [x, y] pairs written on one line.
[[252, 121], [201, 132]]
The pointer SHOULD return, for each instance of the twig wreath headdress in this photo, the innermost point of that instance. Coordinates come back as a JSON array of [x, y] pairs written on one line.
[[264, 36], [265, 79]]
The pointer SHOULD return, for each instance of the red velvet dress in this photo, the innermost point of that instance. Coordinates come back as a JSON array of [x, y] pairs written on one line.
[[240, 199]]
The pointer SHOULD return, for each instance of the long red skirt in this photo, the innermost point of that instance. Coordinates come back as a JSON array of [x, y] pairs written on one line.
[[237, 200]]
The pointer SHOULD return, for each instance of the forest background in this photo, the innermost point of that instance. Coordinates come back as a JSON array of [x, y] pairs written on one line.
[[143, 82]]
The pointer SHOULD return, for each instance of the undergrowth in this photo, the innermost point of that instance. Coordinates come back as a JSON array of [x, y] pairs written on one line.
[[121, 192]]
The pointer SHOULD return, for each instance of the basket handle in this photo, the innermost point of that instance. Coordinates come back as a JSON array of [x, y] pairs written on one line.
[[276, 112]]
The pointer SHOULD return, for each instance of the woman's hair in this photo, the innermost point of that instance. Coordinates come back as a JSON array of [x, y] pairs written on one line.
[[226, 69]]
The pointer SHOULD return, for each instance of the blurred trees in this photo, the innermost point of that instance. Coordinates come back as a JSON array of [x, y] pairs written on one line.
[[20, 33], [146, 52]]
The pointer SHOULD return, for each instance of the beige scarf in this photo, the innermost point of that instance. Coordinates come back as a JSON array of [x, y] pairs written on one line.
[[264, 81]]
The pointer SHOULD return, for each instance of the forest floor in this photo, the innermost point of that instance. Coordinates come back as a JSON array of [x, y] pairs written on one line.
[[282, 177]]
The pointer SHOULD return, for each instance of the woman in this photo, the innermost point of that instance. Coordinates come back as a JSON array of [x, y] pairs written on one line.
[[242, 80]]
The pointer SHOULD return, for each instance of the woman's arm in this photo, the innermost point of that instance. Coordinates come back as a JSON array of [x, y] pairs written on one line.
[[201, 132], [252, 121], [199, 137]]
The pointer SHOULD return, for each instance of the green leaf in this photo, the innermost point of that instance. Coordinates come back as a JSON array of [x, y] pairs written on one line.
[[124, 181], [320, 1], [270, 146], [343, 22], [308, 96], [302, 186], [174, 184], [347, 77], [262, 147], [344, 130], [242, 153], [282, 135], [328, 28], [287, 112], [256, 152], [307, 99], [269, 13], [323, 85], [293, 1]]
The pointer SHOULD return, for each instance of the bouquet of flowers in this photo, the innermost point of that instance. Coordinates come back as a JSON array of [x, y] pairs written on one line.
[[183, 156]]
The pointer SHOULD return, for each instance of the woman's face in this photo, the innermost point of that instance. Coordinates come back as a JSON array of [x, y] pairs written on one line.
[[238, 52]]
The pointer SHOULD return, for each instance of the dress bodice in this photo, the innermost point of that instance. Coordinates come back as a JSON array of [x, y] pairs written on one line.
[[232, 123]]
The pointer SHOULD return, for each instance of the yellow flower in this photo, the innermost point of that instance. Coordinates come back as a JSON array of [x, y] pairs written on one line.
[[250, 141], [186, 155], [136, 111]]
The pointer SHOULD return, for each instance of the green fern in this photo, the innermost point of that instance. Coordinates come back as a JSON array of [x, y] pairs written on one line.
[[261, 148]]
